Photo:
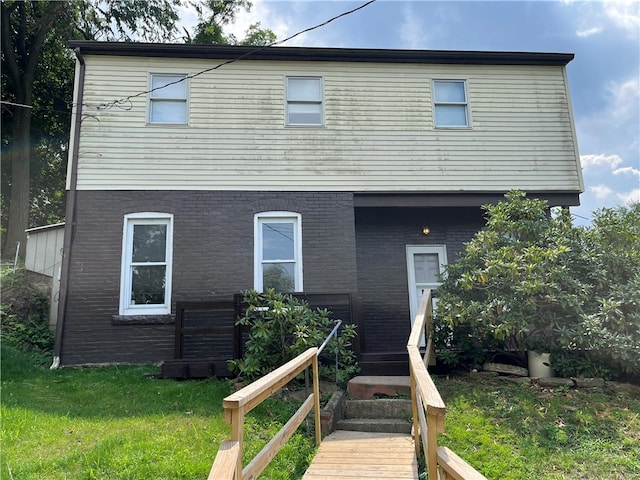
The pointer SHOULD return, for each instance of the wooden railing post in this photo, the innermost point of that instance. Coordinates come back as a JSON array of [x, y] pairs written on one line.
[[414, 412], [316, 399], [237, 434], [432, 448]]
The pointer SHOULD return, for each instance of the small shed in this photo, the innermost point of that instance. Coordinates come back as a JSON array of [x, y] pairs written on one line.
[[44, 257]]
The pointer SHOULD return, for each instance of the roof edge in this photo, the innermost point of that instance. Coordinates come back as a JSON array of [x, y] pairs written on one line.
[[311, 54]]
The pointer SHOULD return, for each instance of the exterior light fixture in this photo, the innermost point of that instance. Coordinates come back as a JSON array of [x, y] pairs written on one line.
[[426, 230]]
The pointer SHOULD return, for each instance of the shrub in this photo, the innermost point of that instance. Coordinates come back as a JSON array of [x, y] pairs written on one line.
[[24, 317], [531, 280], [282, 327], [512, 287]]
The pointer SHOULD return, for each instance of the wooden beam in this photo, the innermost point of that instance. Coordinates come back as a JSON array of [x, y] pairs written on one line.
[[252, 395], [455, 467], [271, 449], [224, 466]]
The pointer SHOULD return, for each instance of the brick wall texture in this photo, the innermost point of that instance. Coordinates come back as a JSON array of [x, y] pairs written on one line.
[[344, 251]]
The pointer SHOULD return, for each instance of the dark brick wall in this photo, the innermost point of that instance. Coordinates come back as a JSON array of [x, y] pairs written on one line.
[[212, 259], [382, 235]]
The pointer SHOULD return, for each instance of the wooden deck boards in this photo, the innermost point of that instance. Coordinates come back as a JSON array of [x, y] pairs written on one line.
[[363, 455]]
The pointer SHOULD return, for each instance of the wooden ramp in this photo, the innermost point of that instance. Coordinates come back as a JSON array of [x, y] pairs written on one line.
[[364, 455]]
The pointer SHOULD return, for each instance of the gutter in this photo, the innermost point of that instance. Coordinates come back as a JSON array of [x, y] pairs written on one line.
[[70, 220], [321, 54]]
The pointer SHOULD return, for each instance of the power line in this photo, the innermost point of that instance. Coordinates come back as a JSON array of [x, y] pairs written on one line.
[[21, 105], [127, 100]]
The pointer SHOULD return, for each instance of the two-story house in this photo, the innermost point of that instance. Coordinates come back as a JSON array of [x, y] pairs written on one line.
[[198, 172]]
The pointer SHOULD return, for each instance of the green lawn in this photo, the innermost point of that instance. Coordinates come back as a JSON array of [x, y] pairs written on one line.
[[511, 430], [119, 423]]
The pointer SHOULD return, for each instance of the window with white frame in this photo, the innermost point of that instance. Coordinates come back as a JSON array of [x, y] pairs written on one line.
[[304, 101], [147, 246], [450, 103], [168, 99], [278, 251]]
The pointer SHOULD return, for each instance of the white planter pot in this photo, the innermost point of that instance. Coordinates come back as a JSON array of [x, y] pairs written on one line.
[[539, 365]]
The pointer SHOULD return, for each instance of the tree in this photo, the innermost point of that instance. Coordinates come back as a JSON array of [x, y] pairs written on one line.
[[610, 328], [29, 29], [37, 77], [214, 15]]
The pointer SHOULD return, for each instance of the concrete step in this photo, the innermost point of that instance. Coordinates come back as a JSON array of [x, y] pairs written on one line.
[[380, 408], [377, 425], [367, 387]]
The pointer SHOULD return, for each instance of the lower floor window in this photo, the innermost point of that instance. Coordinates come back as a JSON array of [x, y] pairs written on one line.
[[145, 286], [278, 252]]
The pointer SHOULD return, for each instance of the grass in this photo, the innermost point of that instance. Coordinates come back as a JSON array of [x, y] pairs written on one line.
[[119, 423], [510, 430]]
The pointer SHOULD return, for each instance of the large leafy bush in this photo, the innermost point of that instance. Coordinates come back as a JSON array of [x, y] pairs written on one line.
[[531, 280], [282, 327]]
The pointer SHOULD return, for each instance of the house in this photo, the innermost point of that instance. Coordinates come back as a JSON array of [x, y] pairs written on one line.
[[198, 172]]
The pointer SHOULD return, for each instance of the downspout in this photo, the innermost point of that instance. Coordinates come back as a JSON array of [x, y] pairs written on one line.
[[70, 220]]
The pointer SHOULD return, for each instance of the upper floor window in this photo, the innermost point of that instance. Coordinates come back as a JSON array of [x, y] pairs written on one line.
[[145, 286], [450, 103], [168, 99], [278, 251], [304, 101]]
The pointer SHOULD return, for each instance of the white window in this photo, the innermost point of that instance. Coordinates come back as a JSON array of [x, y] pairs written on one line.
[[168, 99], [147, 245], [450, 103], [278, 251], [304, 101]]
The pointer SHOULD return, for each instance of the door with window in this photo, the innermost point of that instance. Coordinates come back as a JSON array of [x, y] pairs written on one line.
[[425, 264]]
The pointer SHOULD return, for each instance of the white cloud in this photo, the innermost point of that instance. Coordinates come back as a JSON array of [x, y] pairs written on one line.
[[412, 30], [625, 14], [260, 12], [589, 161], [588, 32], [625, 97], [627, 170], [601, 192], [632, 196]]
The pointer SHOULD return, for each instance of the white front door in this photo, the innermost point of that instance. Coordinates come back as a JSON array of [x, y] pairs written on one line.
[[425, 264]]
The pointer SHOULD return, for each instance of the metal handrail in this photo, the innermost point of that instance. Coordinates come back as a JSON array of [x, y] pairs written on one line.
[[326, 341]]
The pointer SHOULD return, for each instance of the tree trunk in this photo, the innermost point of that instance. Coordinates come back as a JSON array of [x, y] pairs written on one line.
[[20, 171]]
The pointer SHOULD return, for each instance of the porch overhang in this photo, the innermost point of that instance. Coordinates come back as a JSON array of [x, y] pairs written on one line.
[[458, 199]]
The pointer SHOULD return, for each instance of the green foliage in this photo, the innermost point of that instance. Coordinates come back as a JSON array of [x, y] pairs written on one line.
[[531, 280], [214, 15], [24, 316], [282, 327], [610, 328]]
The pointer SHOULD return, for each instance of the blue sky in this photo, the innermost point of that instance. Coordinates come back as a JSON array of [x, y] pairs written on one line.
[[604, 77]]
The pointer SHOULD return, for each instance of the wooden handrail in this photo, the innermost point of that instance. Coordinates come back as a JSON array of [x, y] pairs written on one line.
[[244, 400], [427, 405], [226, 461]]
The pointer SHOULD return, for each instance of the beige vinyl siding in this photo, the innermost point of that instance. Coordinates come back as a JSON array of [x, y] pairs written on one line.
[[378, 134]]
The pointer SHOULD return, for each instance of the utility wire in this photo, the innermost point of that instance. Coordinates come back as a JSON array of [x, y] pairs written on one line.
[[127, 100], [21, 105]]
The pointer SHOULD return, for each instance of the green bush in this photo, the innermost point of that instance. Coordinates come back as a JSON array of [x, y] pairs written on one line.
[[531, 280], [24, 317], [282, 327]]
